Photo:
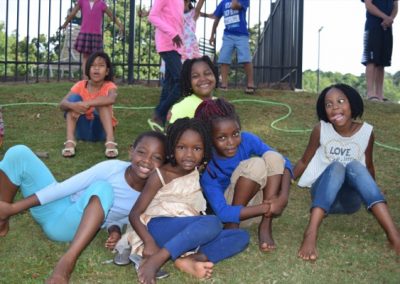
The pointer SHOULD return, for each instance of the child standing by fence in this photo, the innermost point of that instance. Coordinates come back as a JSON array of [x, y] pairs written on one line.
[[337, 165], [90, 37]]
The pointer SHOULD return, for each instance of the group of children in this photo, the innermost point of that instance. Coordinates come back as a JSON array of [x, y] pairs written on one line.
[[163, 191], [205, 157]]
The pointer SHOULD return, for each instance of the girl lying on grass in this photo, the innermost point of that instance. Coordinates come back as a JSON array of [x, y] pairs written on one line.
[[338, 167], [75, 209]]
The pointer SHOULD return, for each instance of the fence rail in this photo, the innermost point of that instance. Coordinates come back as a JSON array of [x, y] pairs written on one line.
[[33, 49]]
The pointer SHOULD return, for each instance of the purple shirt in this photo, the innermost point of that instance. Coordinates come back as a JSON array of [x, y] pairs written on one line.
[[92, 17], [167, 18]]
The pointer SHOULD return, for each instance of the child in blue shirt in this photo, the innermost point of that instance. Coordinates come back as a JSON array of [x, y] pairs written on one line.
[[245, 178], [236, 36]]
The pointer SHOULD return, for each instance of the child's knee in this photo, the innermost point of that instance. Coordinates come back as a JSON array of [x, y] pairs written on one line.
[[274, 162], [253, 169], [74, 98]]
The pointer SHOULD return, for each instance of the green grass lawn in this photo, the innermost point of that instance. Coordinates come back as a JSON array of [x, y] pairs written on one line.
[[353, 249]]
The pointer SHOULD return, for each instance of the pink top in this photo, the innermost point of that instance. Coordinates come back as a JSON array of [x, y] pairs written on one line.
[[92, 17], [167, 18], [190, 45]]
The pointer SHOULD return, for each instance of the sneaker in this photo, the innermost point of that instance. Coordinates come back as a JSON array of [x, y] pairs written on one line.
[[123, 257]]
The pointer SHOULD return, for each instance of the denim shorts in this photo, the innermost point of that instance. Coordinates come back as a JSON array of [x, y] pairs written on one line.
[[231, 42]]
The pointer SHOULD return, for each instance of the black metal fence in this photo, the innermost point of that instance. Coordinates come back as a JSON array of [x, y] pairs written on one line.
[[33, 49]]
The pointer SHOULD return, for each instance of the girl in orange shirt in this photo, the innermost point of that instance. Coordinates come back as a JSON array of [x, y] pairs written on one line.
[[89, 107]]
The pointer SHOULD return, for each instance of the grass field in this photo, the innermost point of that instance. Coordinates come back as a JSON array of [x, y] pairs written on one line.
[[353, 249]]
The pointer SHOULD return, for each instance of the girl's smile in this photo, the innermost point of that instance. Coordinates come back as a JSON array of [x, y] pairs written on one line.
[[226, 137], [148, 155], [203, 80]]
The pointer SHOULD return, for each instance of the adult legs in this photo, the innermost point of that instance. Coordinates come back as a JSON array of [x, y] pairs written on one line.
[[370, 75], [379, 77]]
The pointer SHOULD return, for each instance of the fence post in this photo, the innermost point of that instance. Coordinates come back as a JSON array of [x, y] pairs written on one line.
[[131, 43]]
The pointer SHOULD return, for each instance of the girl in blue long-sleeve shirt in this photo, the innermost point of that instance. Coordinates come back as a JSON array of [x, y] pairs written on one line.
[[245, 178]]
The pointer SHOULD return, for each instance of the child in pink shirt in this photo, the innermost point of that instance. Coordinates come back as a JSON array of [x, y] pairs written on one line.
[[167, 18], [90, 36]]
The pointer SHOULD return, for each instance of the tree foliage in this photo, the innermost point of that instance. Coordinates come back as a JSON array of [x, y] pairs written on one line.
[[391, 83]]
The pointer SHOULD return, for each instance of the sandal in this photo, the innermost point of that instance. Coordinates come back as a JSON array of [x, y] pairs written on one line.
[[111, 153], [374, 99], [223, 88], [155, 126], [250, 90], [68, 152]]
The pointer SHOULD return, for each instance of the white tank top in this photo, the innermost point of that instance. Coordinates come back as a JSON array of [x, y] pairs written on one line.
[[334, 147]]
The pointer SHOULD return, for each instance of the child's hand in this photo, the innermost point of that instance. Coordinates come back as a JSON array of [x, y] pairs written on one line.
[[142, 13], [212, 40], [177, 41], [112, 240], [277, 206], [267, 208]]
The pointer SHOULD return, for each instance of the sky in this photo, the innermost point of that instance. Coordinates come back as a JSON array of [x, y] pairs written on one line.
[[341, 37]]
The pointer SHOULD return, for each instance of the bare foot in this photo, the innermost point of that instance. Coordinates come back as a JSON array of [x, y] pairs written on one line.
[[195, 265], [265, 240], [62, 272], [4, 227], [395, 243], [147, 271], [308, 249]]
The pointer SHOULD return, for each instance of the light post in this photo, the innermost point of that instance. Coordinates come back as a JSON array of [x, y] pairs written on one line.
[[319, 40]]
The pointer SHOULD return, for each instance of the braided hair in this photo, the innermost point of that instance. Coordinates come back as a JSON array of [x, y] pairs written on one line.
[[175, 131], [186, 73], [211, 111]]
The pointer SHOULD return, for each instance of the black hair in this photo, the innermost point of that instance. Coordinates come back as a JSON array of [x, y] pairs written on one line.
[[355, 101], [175, 131], [153, 134], [186, 73], [211, 111], [92, 58], [191, 4]]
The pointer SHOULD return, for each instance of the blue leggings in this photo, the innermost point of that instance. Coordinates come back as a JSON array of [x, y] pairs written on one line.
[[179, 235], [59, 219]]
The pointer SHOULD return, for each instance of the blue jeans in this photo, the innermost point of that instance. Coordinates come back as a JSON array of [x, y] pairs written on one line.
[[341, 189], [171, 90], [88, 130], [179, 235]]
